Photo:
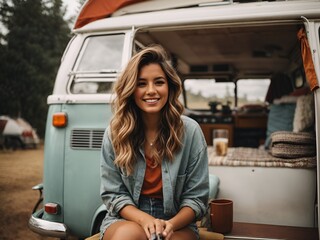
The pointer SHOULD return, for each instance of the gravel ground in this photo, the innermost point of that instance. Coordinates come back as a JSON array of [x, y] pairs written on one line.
[[20, 170]]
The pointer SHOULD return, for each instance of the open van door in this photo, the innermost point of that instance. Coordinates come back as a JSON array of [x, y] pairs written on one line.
[[313, 34]]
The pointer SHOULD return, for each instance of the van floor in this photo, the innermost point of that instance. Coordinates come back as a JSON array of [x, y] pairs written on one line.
[[250, 231]]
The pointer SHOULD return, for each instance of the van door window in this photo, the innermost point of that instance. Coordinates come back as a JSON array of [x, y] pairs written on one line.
[[98, 64]]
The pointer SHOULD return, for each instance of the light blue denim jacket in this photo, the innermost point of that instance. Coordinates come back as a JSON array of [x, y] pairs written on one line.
[[185, 179]]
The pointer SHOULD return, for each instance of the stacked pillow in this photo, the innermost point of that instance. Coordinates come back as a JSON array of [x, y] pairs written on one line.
[[293, 144], [304, 114], [296, 115], [280, 118]]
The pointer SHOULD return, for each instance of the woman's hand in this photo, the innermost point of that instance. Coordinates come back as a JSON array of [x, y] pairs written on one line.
[[157, 227], [168, 230]]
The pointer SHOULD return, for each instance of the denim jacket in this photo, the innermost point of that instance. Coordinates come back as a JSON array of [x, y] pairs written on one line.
[[185, 179]]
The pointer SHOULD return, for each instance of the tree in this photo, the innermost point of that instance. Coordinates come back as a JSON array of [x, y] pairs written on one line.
[[30, 55]]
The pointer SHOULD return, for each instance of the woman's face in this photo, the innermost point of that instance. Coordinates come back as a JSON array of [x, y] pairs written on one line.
[[151, 93]]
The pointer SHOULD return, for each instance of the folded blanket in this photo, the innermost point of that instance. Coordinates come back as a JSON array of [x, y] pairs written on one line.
[[292, 144], [254, 157]]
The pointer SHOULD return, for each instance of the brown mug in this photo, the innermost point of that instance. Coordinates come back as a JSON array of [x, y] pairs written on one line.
[[221, 215]]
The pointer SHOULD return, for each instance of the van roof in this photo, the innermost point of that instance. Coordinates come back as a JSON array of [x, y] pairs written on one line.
[[203, 14]]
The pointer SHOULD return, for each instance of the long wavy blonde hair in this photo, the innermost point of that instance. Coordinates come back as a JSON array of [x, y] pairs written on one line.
[[127, 129]]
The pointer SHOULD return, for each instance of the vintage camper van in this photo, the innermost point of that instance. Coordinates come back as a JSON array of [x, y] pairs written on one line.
[[251, 67]]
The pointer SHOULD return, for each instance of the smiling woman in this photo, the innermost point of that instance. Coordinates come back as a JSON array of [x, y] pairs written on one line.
[[147, 138]]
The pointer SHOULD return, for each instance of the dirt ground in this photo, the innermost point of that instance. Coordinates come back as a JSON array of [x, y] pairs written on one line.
[[20, 170]]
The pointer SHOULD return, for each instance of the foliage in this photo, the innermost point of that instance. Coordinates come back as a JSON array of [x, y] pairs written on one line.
[[30, 55]]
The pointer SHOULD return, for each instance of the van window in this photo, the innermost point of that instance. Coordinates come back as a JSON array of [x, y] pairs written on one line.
[[102, 53], [252, 91], [200, 92], [98, 64]]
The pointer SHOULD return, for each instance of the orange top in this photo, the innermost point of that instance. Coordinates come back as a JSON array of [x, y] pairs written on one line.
[[152, 184]]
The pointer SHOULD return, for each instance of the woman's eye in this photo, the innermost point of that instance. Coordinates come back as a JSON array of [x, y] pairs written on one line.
[[160, 82], [141, 84]]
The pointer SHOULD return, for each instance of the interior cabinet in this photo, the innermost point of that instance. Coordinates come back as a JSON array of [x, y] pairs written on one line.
[[251, 120], [250, 129]]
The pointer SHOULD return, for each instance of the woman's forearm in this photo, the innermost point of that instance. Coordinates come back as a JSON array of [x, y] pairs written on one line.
[[134, 214], [183, 218]]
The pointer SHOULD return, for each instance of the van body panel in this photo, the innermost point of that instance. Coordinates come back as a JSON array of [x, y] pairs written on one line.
[[84, 135], [53, 173], [66, 65], [265, 196]]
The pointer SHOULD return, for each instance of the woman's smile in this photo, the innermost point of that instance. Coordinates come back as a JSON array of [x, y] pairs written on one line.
[[152, 100]]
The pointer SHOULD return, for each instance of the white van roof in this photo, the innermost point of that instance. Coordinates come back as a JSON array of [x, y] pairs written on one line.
[[157, 5], [205, 14]]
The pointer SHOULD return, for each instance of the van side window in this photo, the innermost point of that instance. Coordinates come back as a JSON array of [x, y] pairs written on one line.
[[98, 64]]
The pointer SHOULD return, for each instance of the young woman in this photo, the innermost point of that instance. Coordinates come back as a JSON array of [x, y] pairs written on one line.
[[154, 165]]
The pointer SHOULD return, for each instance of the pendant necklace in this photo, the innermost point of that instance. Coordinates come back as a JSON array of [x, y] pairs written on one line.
[[151, 144]]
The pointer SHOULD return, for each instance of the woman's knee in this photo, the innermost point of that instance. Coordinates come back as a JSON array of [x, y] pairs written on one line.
[[125, 230], [184, 234]]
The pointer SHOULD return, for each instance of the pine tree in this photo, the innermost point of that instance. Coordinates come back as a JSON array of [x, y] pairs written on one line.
[[30, 55]]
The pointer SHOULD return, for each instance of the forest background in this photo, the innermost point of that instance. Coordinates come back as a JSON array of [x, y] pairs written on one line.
[[33, 36]]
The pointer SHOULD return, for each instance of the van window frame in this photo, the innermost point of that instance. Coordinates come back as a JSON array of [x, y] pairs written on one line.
[[96, 76]]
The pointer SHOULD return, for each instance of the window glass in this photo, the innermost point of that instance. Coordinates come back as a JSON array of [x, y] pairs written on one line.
[[201, 92], [252, 91], [102, 53], [98, 65], [91, 87]]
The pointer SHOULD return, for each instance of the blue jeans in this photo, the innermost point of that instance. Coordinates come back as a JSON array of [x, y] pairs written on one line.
[[152, 206]]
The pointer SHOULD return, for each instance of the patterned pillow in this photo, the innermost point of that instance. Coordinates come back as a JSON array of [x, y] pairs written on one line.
[[304, 114], [280, 118]]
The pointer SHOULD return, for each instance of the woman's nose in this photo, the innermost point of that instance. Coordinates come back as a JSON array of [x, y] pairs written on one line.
[[151, 89]]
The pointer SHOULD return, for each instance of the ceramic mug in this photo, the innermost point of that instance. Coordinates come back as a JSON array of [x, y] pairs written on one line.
[[221, 215]]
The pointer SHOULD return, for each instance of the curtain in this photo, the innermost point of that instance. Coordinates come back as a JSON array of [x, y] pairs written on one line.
[[307, 60]]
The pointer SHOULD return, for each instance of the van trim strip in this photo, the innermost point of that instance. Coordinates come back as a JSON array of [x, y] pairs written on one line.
[[80, 98]]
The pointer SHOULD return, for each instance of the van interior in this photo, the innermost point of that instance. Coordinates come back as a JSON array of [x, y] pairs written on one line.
[[234, 75], [227, 70]]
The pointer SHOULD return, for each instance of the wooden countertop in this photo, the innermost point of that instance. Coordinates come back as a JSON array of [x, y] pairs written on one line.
[[264, 231]]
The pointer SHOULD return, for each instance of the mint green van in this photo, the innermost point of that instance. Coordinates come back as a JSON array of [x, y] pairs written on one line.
[[227, 54]]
